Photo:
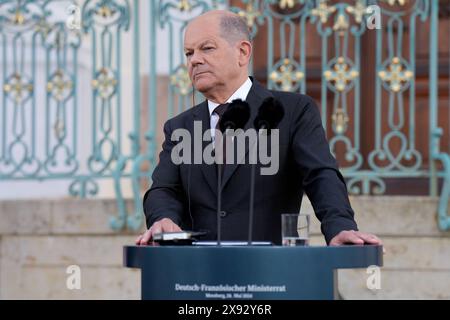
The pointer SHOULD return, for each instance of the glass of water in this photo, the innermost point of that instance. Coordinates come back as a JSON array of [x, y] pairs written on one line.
[[295, 229]]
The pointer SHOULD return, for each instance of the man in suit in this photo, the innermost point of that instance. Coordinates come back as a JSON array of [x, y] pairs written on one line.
[[184, 196]]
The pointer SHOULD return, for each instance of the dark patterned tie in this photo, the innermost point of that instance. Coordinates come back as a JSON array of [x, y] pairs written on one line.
[[220, 110]]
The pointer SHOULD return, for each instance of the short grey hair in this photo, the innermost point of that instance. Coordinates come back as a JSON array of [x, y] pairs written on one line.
[[233, 28]]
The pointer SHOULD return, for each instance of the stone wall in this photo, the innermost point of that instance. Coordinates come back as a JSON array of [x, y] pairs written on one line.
[[417, 258], [39, 239]]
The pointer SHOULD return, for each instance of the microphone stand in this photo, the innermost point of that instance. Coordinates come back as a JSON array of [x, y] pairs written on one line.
[[252, 193], [219, 202], [236, 119], [219, 185], [253, 154]]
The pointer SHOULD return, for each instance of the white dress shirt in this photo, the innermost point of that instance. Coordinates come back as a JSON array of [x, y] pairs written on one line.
[[240, 93]]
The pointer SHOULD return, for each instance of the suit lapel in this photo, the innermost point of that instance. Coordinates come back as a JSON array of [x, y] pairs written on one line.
[[255, 97], [209, 171]]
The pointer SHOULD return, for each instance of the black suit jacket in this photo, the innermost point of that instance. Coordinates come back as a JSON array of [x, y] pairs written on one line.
[[187, 194]]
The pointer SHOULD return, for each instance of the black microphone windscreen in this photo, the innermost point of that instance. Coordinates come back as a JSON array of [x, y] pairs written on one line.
[[236, 115], [270, 113]]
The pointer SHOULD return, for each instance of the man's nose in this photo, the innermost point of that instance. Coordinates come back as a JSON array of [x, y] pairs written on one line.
[[196, 58]]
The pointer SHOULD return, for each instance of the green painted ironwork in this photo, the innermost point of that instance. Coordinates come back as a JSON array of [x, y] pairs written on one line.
[[435, 131], [28, 27]]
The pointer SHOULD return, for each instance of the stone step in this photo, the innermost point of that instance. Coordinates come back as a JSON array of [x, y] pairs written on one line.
[[64, 216], [382, 215], [395, 284], [407, 253], [39, 271], [51, 283], [28, 251], [391, 215], [65, 250], [40, 239]]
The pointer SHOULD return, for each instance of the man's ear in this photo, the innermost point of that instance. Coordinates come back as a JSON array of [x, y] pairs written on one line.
[[245, 52]]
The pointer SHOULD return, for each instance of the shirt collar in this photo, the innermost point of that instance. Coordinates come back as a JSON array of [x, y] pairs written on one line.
[[240, 93]]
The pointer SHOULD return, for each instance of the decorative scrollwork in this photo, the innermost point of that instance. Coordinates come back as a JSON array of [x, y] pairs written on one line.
[[396, 75], [105, 83], [61, 160], [104, 154], [358, 10], [180, 80], [384, 159], [397, 8], [250, 14], [19, 161], [58, 37], [340, 120], [184, 5], [43, 27], [394, 2], [323, 11], [18, 88], [20, 16], [60, 86], [287, 75], [341, 74], [83, 186], [353, 157], [341, 25], [366, 184], [286, 4], [106, 13]]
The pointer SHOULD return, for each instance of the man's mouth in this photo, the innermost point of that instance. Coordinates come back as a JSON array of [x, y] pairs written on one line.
[[200, 73]]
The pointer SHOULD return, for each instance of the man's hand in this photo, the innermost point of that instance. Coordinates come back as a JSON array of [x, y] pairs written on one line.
[[163, 225], [354, 237]]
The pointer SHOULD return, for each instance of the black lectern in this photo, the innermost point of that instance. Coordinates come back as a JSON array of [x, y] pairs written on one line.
[[245, 272]]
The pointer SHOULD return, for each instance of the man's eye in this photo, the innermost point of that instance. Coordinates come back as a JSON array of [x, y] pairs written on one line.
[[188, 54], [208, 48]]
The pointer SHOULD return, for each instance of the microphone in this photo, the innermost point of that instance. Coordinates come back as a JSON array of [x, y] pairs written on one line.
[[270, 113], [235, 117]]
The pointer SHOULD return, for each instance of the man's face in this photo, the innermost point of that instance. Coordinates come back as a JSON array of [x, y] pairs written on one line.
[[212, 61]]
